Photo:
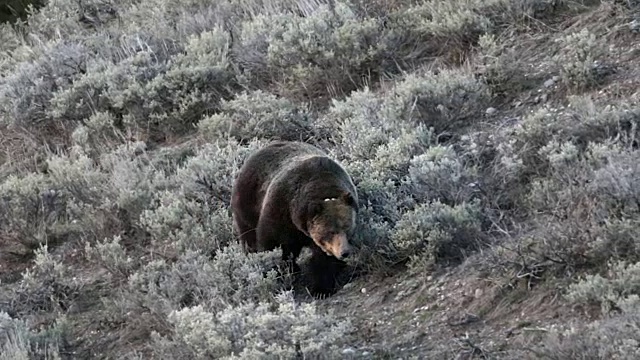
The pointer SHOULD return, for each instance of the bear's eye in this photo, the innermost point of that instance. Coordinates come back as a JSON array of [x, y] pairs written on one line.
[[326, 235], [315, 209]]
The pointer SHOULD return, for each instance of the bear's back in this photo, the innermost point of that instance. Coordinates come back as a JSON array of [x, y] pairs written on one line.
[[280, 157]]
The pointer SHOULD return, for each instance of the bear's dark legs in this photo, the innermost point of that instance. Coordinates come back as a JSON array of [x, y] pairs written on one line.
[[243, 211], [290, 253], [268, 239], [247, 234], [324, 270]]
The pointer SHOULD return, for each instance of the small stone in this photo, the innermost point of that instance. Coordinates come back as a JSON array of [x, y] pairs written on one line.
[[429, 278], [363, 290], [478, 293], [549, 83], [366, 353], [634, 26], [491, 111], [556, 78], [544, 97], [348, 351]]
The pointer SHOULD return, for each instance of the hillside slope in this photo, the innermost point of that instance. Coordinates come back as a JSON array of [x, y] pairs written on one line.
[[493, 144]]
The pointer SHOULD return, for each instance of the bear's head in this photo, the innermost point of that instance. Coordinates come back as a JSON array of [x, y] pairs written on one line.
[[331, 222]]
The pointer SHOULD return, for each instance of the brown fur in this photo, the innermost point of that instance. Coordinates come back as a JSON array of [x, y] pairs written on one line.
[[292, 195]]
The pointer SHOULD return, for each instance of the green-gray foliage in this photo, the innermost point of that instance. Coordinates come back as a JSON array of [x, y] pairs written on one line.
[[17, 342]]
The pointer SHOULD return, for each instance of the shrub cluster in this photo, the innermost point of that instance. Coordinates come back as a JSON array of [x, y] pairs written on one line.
[[18, 342], [227, 307], [614, 337], [578, 58], [388, 142], [572, 169], [612, 293], [174, 64], [259, 114]]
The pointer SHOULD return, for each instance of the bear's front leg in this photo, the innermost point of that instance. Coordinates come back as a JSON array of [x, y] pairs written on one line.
[[291, 249], [270, 236], [267, 234], [324, 270]]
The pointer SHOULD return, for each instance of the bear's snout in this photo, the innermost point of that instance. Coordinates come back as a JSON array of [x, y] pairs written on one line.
[[340, 247], [345, 253]]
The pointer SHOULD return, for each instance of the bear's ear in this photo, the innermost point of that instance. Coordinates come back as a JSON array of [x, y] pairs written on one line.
[[348, 198]]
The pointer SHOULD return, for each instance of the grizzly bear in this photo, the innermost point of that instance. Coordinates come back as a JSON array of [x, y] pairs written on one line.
[[292, 195]]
